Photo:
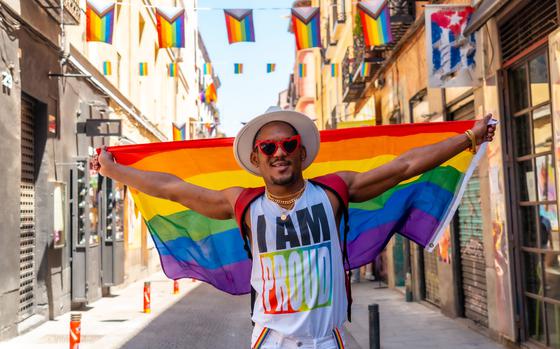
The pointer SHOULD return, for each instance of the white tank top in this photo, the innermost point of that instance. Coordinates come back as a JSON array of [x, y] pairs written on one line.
[[297, 269]]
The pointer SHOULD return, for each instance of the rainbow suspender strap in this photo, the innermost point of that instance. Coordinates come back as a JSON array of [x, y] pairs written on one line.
[[259, 342], [338, 339]]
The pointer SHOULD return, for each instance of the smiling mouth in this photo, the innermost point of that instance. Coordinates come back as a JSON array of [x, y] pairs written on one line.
[[280, 164]]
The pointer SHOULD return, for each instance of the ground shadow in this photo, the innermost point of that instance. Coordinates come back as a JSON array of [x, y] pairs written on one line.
[[204, 318]]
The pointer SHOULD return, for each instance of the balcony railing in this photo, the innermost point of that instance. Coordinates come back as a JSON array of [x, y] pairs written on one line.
[[338, 12], [402, 14], [292, 94], [352, 88], [337, 17], [366, 55], [72, 10]]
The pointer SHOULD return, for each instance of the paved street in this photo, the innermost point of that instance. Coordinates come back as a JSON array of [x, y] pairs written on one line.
[[409, 325], [203, 317]]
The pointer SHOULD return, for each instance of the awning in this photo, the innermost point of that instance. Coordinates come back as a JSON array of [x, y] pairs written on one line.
[[357, 123], [483, 13]]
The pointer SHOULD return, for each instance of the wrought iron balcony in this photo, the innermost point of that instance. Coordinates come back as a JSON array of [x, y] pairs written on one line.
[[366, 55], [338, 17], [71, 14], [352, 88], [292, 93], [402, 14]]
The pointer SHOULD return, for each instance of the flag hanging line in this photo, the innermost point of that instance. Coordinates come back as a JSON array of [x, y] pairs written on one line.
[[207, 8]]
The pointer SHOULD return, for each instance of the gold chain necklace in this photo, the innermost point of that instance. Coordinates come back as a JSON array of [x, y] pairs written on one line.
[[286, 202]]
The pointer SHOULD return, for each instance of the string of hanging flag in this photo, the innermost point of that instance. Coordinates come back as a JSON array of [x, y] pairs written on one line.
[[306, 24], [238, 69], [239, 23]]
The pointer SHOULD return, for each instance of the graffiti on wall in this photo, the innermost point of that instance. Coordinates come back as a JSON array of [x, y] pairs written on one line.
[[444, 247]]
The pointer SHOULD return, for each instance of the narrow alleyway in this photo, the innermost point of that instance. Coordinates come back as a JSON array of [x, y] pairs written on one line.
[[203, 317]]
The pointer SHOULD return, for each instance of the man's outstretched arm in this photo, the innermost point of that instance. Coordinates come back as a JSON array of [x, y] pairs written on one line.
[[367, 185], [217, 204]]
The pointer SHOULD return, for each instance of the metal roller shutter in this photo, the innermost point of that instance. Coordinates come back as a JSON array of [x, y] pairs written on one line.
[[431, 278], [473, 267], [27, 212]]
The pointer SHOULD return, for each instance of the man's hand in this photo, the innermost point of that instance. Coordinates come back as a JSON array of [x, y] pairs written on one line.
[[102, 162], [482, 131]]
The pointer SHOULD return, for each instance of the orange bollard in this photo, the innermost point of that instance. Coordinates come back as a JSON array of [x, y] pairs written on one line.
[[75, 330], [147, 308], [175, 287]]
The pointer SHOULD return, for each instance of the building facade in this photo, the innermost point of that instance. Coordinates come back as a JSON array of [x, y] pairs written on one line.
[[497, 266], [70, 234]]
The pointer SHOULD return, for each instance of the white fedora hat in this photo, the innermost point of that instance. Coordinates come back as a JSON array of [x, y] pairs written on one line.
[[243, 144]]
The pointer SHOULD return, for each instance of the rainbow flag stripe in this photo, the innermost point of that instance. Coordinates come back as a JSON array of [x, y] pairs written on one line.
[[170, 26], [302, 70], [207, 69], [193, 246], [239, 24], [179, 132], [270, 67], [172, 69], [100, 19], [306, 26], [334, 70], [376, 22], [107, 68], [143, 69], [238, 68], [365, 69]]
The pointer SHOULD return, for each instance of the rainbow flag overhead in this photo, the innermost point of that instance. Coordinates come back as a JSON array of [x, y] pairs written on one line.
[[306, 26], [270, 67], [100, 19], [302, 70], [143, 68], [179, 132], [334, 70], [172, 70], [211, 95], [192, 246], [376, 22], [207, 69], [238, 68], [107, 68], [170, 26], [365, 69], [239, 23]]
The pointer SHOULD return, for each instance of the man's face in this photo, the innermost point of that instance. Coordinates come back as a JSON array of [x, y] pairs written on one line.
[[279, 168]]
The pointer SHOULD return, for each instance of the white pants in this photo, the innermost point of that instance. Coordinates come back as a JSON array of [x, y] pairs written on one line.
[[275, 340]]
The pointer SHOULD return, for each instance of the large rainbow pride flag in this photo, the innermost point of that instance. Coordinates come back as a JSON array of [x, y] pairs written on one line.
[[170, 26], [376, 22], [193, 246], [239, 24], [100, 19], [306, 26]]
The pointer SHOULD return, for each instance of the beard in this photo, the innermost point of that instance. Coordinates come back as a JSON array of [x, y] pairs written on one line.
[[284, 180]]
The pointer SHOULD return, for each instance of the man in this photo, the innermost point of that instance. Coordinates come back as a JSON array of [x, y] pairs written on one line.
[[278, 146]]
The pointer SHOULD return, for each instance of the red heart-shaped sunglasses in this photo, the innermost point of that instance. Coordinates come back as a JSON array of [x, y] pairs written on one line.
[[269, 147]]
